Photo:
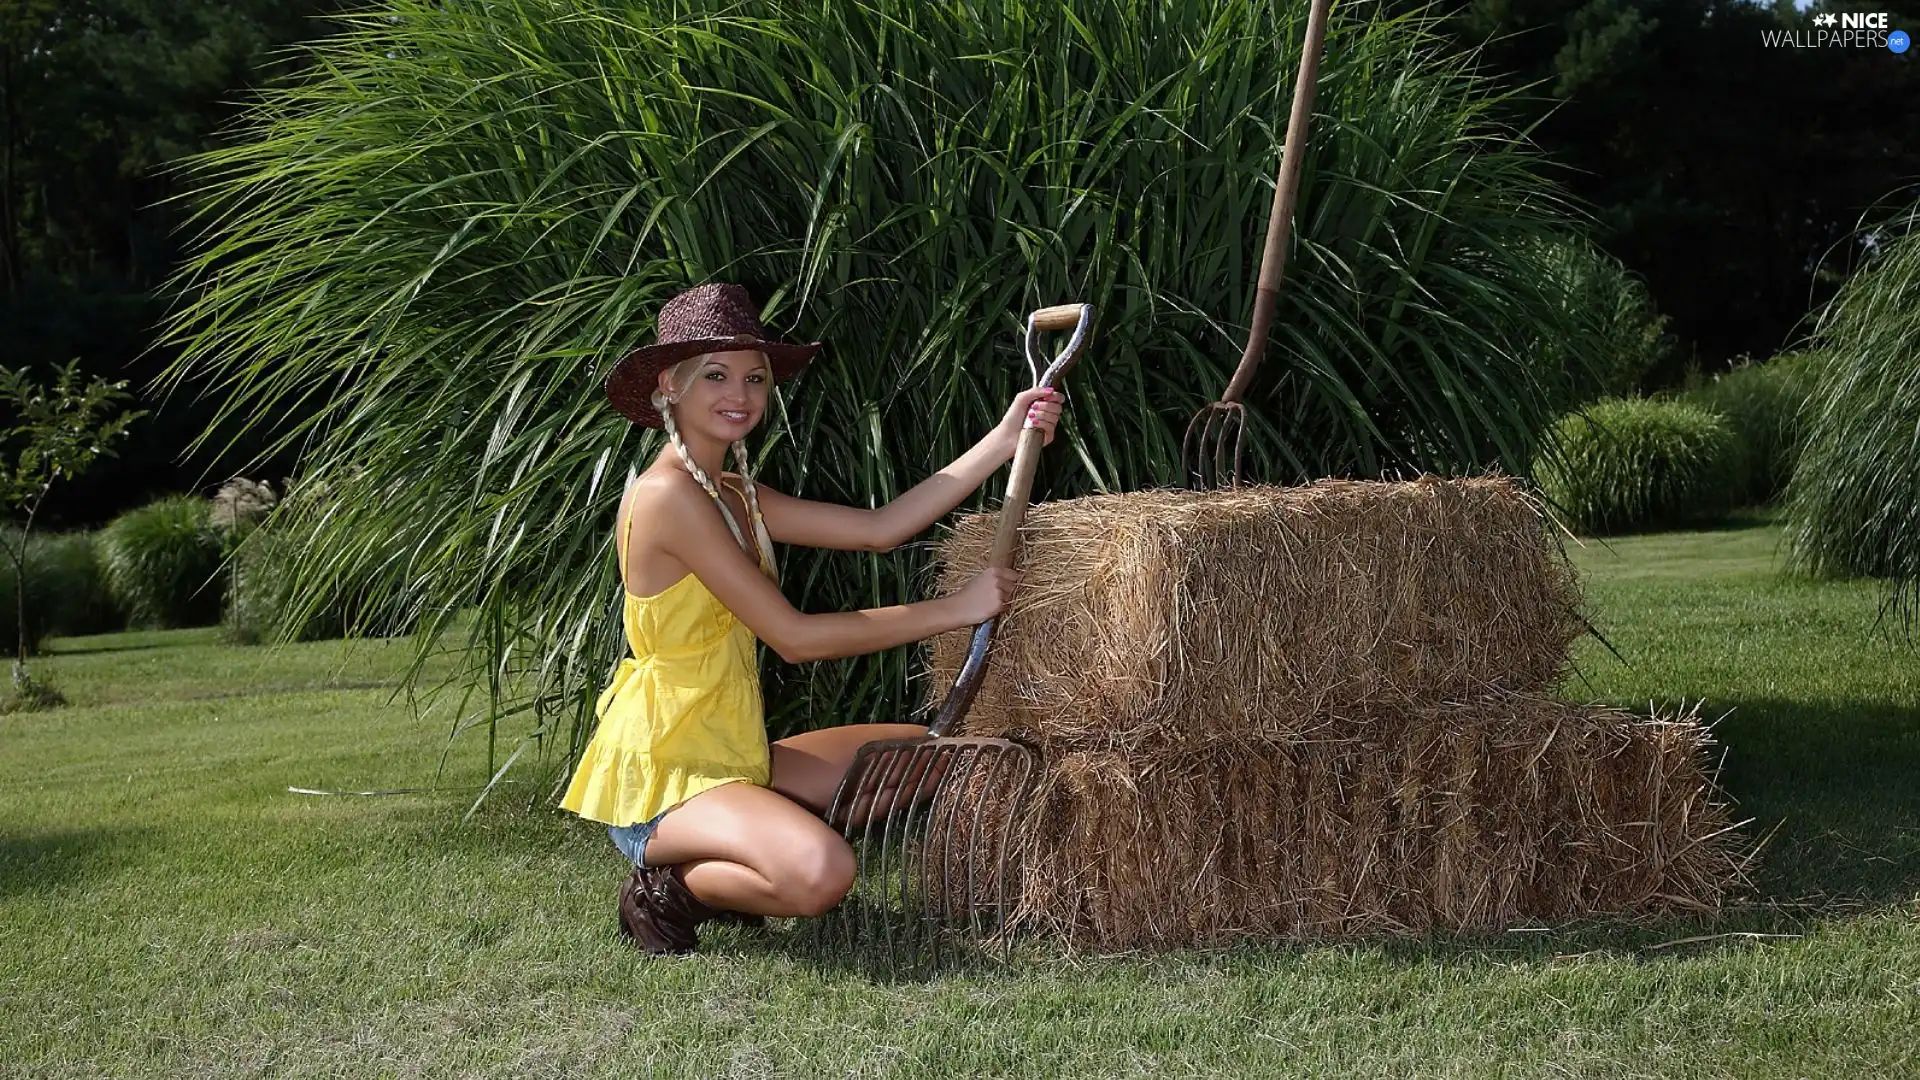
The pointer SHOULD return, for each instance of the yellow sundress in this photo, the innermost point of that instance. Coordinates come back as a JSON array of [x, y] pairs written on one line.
[[682, 714]]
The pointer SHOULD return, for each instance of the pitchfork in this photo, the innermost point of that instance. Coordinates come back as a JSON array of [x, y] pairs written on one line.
[[1204, 450], [978, 785]]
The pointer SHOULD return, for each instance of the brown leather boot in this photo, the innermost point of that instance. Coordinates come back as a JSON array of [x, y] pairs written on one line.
[[707, 912], [660, 913]]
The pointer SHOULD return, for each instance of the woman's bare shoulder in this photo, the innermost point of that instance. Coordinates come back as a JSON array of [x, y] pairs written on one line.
[[653, 501], [658, 491]]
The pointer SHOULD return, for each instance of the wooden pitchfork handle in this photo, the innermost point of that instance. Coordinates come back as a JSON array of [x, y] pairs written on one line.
[[1026, 460], [1273, 259]]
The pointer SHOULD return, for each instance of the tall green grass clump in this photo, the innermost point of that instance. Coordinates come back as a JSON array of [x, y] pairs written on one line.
[[1854, 499], [1631, 464], [1764, 404], [439, 243], [162, 563], [265, 604], [1625, 337], [83, 604], [67, 593]]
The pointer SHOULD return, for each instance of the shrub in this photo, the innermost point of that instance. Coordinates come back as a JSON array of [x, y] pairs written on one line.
[[66, 593], [1631, 463], [259, 595], [83, 604], [162, 563], [1619, 326], [1763, 403], [262, 601], [256, 596], [1854, 500]]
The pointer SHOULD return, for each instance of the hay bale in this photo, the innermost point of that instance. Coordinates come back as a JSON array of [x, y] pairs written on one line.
[[1452, 817], [1175, 617]]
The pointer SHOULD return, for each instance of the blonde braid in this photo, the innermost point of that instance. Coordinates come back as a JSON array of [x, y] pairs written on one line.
[[673, 432], [753, 507]]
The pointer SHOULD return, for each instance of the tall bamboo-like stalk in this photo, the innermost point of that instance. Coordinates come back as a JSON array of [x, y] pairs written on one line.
[[432, 249]]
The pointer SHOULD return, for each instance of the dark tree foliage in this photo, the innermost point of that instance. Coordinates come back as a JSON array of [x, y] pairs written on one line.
[[1733, 175], [96, 98]]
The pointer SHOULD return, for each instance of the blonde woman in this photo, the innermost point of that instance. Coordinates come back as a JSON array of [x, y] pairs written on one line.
[[716, 821]]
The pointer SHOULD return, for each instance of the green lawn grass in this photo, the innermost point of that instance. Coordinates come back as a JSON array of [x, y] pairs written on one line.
[[168, 907]]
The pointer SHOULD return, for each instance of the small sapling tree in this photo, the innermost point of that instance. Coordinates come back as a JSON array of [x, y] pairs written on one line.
[[56, 432]]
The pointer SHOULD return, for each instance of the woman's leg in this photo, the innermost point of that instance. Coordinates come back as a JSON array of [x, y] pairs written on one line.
[[747, 848], [808, 768]]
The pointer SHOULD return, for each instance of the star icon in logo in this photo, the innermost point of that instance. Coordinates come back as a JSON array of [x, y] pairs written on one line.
[[1825, 19]]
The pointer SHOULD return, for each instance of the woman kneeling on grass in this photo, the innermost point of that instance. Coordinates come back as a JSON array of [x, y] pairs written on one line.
[[717, 822]]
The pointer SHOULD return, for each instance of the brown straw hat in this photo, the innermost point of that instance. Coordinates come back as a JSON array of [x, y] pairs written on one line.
[[706, 318]]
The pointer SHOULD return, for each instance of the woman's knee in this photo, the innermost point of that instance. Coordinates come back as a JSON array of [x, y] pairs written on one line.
[[818, 876], [806, 864]]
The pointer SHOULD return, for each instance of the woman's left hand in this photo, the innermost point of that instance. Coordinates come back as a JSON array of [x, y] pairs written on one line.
[[1037, 408]]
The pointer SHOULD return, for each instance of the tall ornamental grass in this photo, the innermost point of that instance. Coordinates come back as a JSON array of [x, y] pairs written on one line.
[[433, 249], [1764, 403], [1632, 464], [262, 607], [162, 563], [66, 592], [1626, 339], [1854, 500]]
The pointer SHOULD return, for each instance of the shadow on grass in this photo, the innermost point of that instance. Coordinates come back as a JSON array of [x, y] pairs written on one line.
[[86, 647], [874, 961], [268, 692], [50, 860], [1837, 779], [857, 940], [1735, 521], [1640, 941], [870, 954]]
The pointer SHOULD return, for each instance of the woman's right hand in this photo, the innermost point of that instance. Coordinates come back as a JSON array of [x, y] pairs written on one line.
[[986, 595]]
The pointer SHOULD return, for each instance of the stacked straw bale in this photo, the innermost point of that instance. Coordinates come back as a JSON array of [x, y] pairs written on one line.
[[1325, 710], [1180, 617]]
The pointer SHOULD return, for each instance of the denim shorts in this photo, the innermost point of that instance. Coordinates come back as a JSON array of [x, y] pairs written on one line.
[[632, 839]]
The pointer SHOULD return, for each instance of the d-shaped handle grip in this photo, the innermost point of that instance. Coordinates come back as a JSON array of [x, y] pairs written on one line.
[[1058, 317]]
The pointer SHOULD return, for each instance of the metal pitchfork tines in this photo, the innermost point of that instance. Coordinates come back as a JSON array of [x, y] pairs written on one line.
[[929, 815], [1212, 449]]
